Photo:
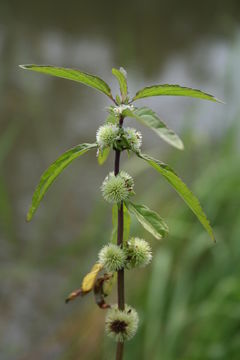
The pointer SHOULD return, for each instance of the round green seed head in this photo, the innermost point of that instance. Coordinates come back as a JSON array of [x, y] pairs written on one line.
[[121, 325], [112, 257], [134, 138], [117, 188], [138, 253], [106, 135]]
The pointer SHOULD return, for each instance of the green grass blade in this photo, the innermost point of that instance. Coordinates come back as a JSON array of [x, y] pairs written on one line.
[[150, 119], [72, 74], [173, 90], [120, 75], [149, 219], [181, 189], [53, 172]]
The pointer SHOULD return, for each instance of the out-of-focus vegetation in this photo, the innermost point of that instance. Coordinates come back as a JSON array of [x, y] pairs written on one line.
[[192, 301], [189, 297]]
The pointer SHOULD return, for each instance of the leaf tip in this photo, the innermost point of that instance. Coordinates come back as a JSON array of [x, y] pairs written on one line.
[[25, 66], [29, 216], [123, 71], [220, 101], [180, 145]]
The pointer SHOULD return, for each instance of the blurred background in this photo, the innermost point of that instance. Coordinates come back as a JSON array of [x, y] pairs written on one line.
[[189, 297]]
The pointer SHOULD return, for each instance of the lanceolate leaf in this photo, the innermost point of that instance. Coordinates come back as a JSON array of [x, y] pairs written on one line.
[[103, 155], [72, 74], [173, 90], [122, 82], [149, 219], [150, 119], [182, 190], [52, 173], [126, 222]]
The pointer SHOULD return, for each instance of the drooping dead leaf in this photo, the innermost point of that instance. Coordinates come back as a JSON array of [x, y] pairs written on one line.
[[90, 278], [73, 295], [87, 284], [99, 293]]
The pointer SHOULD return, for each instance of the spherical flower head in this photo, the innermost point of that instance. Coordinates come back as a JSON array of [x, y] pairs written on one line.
[[112, 257], [138, 253], [134, 138], [117, 188], [121, 325], [106, 135], [129, 183]]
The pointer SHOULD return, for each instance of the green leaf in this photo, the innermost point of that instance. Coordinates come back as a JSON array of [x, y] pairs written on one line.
[[103, 155], [150, 119], [72, 74], [111, 119], [173, 90], [182, 190], [149, 219], [121, 76], [126, 222], [52, 173]]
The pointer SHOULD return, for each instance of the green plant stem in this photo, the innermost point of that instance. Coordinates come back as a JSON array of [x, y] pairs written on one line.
[[120, 280]]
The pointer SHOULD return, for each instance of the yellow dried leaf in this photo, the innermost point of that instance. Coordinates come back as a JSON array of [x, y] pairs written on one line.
[[90, 278], [109, 283]]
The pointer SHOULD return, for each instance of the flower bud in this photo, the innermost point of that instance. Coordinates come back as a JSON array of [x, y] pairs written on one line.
[[106, 135], [117, 188], [121, 325], [112, 257], [118, 110], [134, 138], [138, 253]]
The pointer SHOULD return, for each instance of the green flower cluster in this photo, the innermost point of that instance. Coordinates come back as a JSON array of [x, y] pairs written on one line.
[[117, 188], [133, 138], [136, 253], [110, 135], [112, 257], [107, 135], [121, 325]]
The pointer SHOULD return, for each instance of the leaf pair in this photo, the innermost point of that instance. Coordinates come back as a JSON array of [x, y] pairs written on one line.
[[144, 115], [100, 85], [150, 220]]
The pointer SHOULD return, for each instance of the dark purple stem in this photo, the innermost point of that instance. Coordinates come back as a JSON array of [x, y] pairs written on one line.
[[120, 281]]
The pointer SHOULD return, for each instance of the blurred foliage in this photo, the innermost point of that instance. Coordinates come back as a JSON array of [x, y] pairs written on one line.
[[189, 299], [192, 308]]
